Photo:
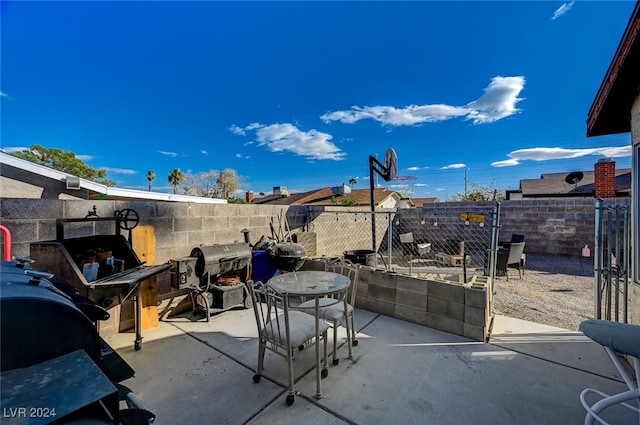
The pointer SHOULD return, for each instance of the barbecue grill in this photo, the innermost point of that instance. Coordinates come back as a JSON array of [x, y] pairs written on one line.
[[50, 350], [103, 268], [288, 256], [215, 276]]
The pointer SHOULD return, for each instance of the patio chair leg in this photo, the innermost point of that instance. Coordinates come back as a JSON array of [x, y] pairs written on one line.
[[336, 360], [354, 338]]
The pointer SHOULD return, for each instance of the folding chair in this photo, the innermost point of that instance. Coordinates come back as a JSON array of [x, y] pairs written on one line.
[[282, 330], [336, 309]]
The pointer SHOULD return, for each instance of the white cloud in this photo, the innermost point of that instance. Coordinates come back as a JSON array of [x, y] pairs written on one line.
[[545, 154], [498, 101], [417, 168], [562, 10], [171, 154], [453, 166], [85, 158], [286, 137], [421, 185], [237, 130], [203, 152], [238, 155], [120, 170], [3, 94]]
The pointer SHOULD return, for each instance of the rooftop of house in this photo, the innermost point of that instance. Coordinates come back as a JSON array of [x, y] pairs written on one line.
[[555, 184], [25, 179], [609, 113], [326, 196]]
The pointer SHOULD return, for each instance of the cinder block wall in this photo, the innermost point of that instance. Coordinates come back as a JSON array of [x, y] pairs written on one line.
[[458, 308], [551, 227]]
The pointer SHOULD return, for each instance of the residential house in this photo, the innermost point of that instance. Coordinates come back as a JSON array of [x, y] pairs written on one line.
[[329, 196], [616, 109], [605, 181], [416, 202]]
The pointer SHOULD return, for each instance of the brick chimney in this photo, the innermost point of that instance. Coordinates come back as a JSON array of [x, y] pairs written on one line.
[[248, 196], [605, 178]]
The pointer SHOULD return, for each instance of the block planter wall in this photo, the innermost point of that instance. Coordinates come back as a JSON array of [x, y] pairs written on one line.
[[461, 309]]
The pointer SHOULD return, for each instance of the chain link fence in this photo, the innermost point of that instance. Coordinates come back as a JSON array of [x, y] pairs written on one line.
[[414, 241]]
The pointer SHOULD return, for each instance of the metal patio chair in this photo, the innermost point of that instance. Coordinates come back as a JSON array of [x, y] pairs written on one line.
[[282, 330], [616, 338], [339, 308]]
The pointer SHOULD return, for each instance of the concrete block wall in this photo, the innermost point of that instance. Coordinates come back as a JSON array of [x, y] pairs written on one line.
[[178, 228], [550, 226], [461, 309]]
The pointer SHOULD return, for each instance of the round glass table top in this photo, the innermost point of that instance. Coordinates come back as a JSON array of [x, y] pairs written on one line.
[[309, 282]]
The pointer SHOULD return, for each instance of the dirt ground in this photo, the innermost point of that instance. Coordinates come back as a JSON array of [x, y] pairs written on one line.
[[553, 291]]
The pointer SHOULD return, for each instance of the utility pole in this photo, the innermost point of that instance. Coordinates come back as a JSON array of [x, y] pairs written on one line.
[[465, 183]]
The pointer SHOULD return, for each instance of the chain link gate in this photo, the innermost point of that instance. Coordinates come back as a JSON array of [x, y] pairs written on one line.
[[445, 243], [612, 261]]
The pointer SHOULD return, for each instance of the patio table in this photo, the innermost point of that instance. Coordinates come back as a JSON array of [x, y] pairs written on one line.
[[315, 284]]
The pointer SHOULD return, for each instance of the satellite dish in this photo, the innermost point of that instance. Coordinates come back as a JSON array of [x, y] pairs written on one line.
[[574, 178], [390, 165]]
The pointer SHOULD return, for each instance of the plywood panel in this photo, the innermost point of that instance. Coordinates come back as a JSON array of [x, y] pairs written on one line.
[[144, 245]]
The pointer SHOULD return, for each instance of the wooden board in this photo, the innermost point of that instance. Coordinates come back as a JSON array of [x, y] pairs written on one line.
[[144, 245]]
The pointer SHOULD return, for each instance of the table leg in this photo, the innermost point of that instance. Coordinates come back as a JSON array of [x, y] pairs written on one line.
[[137, 344]]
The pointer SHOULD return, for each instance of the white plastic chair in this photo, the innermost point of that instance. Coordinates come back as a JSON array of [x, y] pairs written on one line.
[[337, 308], [282, 330], [615, 337]]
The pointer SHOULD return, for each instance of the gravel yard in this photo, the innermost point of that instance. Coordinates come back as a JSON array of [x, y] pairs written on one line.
[[553, 291]]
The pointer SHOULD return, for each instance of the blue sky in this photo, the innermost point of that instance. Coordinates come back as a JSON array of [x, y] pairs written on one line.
[[299, 94]]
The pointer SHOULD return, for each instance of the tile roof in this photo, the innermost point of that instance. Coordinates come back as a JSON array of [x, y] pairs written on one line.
[[325, 196]]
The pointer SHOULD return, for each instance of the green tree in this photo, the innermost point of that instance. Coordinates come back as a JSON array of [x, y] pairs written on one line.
[[65, 161], [151, 176], [176, 178]]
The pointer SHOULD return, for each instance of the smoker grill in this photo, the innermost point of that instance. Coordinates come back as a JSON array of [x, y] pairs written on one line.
[[102, 268], [215, 276], [50, 349]]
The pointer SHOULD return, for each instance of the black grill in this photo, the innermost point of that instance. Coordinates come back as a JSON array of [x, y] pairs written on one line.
[[215, 276]]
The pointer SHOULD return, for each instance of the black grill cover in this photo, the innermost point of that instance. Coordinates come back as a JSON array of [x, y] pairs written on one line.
[[38, 323]]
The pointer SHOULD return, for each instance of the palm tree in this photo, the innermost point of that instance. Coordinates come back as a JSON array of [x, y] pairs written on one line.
[[176, 178], [353, 181], [151, 176]]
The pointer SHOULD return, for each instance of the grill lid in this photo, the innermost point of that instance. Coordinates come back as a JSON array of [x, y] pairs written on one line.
[[215, 260]]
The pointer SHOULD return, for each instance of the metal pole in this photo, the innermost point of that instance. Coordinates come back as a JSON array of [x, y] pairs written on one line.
[[373, 205], [627, 266], [495, 225], [597, 258], [608, 262], [618, 256]]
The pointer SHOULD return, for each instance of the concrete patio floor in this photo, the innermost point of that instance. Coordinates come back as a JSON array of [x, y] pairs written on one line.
[[402, 373]]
